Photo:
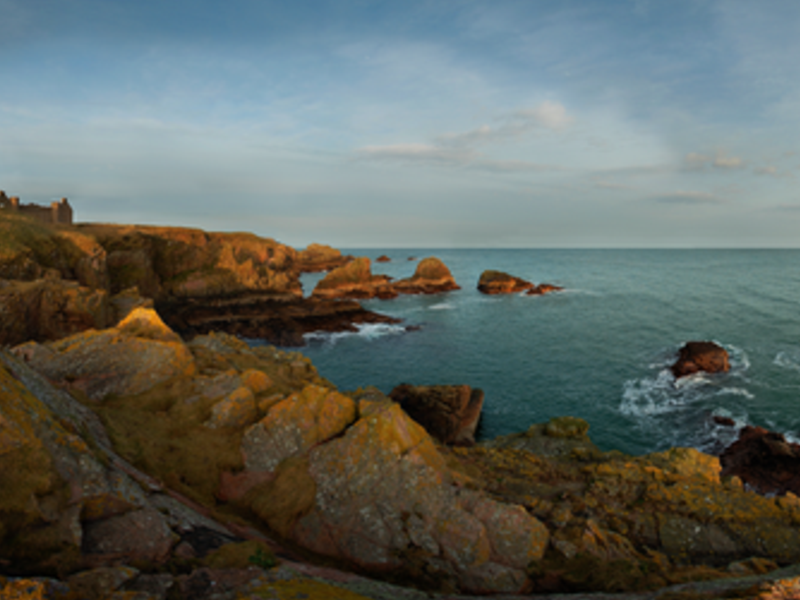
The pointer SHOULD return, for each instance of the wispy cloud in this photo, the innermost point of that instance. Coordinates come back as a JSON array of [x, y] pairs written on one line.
[[610, 185], [695, 161], [768, 170], [689, 197], [420, 153]]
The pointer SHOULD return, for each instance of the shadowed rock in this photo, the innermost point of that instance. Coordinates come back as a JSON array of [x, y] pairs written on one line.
[[450, 413], [700, 356]]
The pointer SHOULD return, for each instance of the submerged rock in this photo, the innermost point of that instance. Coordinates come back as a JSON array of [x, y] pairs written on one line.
[[543, 288], [700, 356], [450, 413]]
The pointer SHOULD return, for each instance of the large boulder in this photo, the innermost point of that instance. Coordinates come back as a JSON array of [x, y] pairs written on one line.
[[450, 413], [130, 358], [694, 357], [431, 277], [498, 282], [763, 460]]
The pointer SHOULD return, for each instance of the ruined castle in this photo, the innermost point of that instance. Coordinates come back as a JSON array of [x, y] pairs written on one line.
[[57, 212]]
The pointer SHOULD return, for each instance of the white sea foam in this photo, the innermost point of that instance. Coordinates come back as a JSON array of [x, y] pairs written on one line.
[[788, 360], [442, 306], [367, 331]]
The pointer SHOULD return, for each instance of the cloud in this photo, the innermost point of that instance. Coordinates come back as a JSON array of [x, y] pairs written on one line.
[[689, 198], [421, 153], [610, 185], [551, 115], [695, 161], [768, 170]]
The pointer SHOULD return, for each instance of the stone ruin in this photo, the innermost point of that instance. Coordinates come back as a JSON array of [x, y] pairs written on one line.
[[58, 212]]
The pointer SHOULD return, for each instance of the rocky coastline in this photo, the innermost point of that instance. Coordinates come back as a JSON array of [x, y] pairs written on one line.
[[145, 454]]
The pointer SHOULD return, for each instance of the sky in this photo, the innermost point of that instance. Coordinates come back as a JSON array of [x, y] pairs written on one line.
[[446, 123]]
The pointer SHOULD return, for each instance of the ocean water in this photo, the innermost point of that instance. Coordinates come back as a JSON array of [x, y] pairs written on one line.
[[599, 350]]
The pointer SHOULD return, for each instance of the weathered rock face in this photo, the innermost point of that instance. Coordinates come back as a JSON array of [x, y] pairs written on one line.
[[136, 355], [497, 282], [49, 309], [700, 356], [382, 489], [320, 257], [354, 280], [431, 277], [450, 413], [763, 460], [174, 262]]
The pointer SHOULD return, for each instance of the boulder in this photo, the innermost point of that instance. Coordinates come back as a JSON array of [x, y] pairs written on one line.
[[431, 277], [764, 461], [382, 491], [700, 356], [383, 259], [497, 282], [130, 358], [450, 413]]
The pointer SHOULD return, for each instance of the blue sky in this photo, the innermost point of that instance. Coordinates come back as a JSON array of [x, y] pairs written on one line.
[[603, 123]]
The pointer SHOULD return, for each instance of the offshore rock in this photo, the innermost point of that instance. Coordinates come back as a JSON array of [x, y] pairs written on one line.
[[431, 277], [700, 356], [320, 257], [354, 280], [383, 259], [498, 282], [764, 461], [450, 413], [136, 355]]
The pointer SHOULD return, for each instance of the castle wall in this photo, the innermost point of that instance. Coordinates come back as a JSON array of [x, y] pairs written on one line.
[[57, 212]]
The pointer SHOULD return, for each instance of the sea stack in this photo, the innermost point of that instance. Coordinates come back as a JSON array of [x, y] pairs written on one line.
[[497, 282], [700, 356]]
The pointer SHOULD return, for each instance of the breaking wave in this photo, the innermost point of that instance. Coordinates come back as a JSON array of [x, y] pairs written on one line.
[[367, 331]]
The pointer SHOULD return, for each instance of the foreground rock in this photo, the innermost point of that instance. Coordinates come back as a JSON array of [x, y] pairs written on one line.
[[497, 282], [763, 460], [450, 413], [694, 357], [255, 433]]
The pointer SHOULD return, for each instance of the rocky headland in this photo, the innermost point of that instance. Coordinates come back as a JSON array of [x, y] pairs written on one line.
[[59, 280], [136, 463]]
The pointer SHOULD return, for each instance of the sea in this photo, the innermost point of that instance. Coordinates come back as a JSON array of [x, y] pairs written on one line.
[[599, 350]]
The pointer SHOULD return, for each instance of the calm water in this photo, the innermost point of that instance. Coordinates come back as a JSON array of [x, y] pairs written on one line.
[[599, 350]]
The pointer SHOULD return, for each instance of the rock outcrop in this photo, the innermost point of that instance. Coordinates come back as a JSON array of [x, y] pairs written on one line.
[[431, 277], [354, 280], [61, 280], [383, 259], [764, 461], [320, 257], [497, 282], [694, 357], [450, 413]]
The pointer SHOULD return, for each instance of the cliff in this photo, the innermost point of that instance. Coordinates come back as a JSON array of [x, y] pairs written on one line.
[[131, 450], [55, 281]]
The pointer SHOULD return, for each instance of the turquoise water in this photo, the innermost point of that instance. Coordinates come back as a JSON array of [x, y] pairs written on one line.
[[600, 349]]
